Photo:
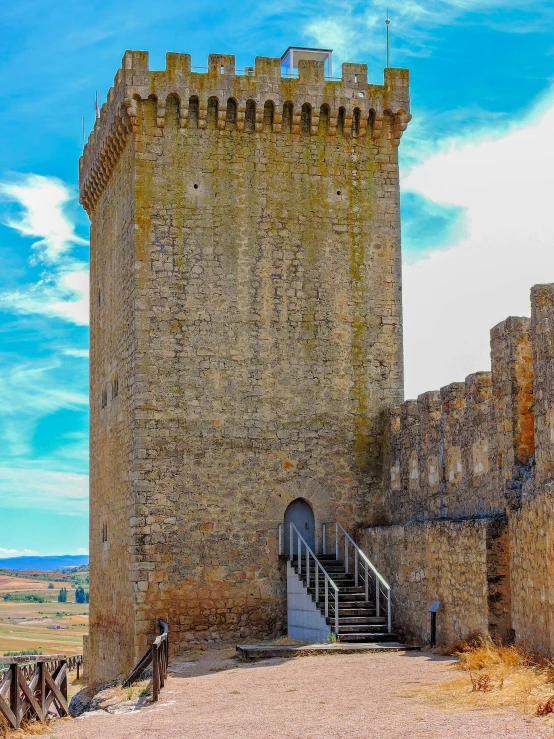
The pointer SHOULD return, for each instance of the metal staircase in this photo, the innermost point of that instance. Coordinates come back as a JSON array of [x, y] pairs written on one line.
[[349, 592]]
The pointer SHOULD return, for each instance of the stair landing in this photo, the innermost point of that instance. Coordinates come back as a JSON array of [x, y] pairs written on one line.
[[252, 652]]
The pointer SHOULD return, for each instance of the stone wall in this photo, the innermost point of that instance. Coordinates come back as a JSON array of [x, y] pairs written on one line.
[[474, 463], [463, 564], [532, 517], [532, 572], [452, 452], [112, 451], [266, 314], [542, 316]]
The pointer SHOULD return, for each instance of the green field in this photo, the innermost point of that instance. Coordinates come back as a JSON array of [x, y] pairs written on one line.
[[28, 625]]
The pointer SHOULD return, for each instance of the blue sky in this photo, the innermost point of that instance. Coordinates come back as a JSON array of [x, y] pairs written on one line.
[[477, 177]]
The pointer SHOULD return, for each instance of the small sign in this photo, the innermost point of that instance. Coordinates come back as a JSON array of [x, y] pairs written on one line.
[[435, 607]]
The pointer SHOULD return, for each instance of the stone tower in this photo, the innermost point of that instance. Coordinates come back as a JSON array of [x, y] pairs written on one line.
[[246, 333]]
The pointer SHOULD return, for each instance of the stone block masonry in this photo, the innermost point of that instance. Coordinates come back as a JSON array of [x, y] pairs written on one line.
[[464, 564], [532, 517], [246, 334], [452, 453], [470, 502]]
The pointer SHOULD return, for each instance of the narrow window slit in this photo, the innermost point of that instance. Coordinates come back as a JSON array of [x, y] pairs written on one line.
[[269, 110], [306, 118], [323, 119], [213, 110], [231, 117], [250, 116], [287, 117], [356, 123], [194, 107]]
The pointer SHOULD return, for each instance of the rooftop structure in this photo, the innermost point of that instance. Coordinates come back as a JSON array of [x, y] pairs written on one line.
[[295, 54]]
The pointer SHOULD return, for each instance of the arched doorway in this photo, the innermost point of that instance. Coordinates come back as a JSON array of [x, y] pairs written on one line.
[[300, 513]]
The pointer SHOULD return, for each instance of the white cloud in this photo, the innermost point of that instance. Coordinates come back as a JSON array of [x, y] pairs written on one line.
[[30, 390], [43, 200], [83, 353], [54, 491], [4, 553], [454, 296], [58, 295], [62, 290], [341, 26], [334, 33]]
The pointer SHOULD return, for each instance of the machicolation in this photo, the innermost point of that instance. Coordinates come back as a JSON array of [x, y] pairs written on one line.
[[259, 102]]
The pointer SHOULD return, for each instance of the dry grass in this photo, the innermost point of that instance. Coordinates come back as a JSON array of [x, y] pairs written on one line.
[[497, 676], [28, 728], [286, 641]]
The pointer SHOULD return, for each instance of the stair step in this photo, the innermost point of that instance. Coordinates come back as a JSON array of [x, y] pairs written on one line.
[[355, 637], [327, 559], [343, 589], [362, 628], [366, 612], [351, 589], [360, 620], [345, 599], [335, 575]]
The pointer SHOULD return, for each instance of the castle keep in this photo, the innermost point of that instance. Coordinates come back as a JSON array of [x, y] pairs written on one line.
[[246, 334], [246, 380]]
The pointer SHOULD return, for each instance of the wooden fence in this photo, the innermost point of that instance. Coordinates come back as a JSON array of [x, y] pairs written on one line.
[[157, 654], [31, 686]]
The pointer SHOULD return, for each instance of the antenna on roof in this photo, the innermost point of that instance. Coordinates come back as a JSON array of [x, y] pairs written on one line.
[[387, 23]]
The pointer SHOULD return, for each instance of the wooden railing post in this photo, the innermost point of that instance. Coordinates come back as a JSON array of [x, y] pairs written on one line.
[[158, 655], [30, 685], [41, 690], [155, 672], [166, 657], [65, 681], [14, 695]]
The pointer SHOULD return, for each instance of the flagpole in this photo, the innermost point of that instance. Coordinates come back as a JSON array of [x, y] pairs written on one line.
[[387, 23]]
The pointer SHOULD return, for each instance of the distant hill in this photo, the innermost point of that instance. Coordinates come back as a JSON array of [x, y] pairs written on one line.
[[44, 563]]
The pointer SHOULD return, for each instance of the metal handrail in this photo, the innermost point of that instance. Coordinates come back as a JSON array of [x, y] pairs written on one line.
[[317, 563], [364, 557], [361, 559], [251, 73]]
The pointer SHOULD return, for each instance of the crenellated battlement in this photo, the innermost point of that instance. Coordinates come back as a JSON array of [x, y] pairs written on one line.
[[259, 100], [453, 452]]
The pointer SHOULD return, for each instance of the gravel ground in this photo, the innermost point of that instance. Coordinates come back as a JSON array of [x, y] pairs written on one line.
[[375, 696]]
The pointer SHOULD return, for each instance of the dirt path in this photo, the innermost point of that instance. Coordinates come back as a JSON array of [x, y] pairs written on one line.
[[373, 696]]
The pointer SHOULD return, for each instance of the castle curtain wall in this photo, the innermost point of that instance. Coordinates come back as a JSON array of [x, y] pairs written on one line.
[[470, 503], [532, 520]]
